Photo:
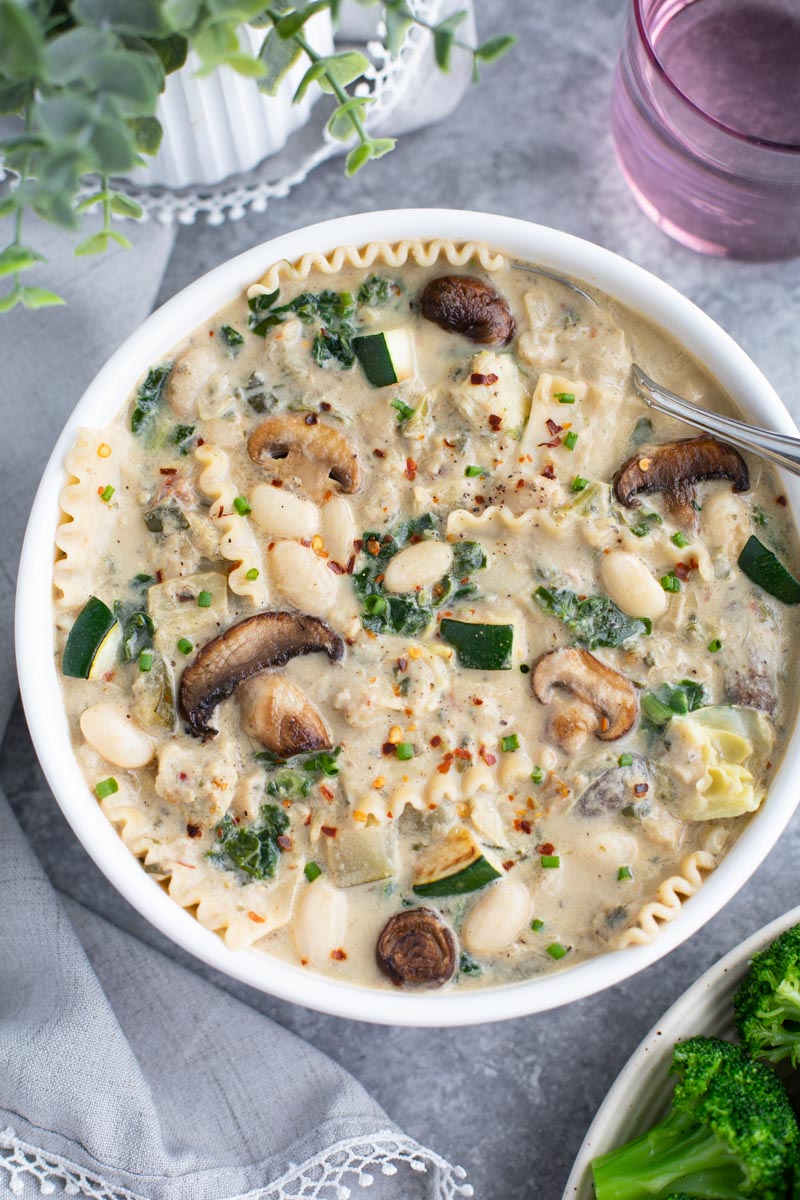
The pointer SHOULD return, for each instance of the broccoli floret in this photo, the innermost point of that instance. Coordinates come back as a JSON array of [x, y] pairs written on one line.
[[730, 1134], [767, 1001]]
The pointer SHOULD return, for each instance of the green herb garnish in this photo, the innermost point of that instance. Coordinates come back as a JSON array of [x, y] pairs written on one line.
[[646, 523], [404, 411], [106, 787], [509, 742], [242, 506], [578, 484], [570, 440], [253, 849], [673, 699], [231, 337], [376, 290], [312, 871], [149, 396], [670, 582], [185, 646], [595, 621], [624, 873]]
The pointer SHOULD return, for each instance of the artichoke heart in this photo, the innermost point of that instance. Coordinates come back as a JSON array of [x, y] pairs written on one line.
[[716, 749]]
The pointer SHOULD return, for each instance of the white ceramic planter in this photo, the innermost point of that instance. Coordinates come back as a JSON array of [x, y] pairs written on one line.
[[220, 125], [39, 677]]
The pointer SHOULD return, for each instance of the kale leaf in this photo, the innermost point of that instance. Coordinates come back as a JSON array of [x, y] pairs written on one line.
[[253, 849], [299, 774], [149, 397], [377, 290], [594, 621], [673, 699], [232, 338]]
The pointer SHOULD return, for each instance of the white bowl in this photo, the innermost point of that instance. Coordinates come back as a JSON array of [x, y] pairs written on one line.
[[637, 1098], [39, 678]]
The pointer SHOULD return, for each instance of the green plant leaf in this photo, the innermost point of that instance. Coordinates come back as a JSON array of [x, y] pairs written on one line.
[[124, 206], [120, 239], [113, 147], [21, 43], [313, 74], [340, 125], [493, 49], [182, 14], [171, 51], [96, 244], [398, 22], [134, 80], [358, 157], [443, 37], [13, 97], [147, 134], [8, 205], [278, 56], [66, 118], [91, 201], [68, 54], [142, 17], [344, 68], [10, 300], [381, 146], [293, 22], [18, 258], [36, 297]]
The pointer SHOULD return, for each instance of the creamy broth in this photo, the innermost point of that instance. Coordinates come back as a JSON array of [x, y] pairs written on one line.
[[512, 686]]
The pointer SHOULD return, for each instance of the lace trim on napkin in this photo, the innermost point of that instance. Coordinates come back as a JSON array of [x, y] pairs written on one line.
[[330, 1175]]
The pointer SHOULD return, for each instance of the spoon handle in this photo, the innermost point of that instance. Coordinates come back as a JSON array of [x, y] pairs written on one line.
[[780, 448]]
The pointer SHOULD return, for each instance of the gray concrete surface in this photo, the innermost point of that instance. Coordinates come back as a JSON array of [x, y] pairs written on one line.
[[510, 1102]]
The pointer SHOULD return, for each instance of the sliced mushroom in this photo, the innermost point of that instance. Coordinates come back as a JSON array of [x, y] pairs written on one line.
[[675, 468], [608, 703], [301, 442], [269, 639], [465, 305], [616, 788], [281, 717], [417, 948]]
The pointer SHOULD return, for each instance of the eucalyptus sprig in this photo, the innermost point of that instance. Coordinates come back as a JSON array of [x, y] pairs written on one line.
[[82, 80]]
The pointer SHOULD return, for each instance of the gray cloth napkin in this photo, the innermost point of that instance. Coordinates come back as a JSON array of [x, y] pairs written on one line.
[[123, 1076]]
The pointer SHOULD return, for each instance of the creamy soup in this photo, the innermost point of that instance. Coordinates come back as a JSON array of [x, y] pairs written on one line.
[[398, 641]]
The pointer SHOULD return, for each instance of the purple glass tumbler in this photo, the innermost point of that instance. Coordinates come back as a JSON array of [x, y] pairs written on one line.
[[706, 122]]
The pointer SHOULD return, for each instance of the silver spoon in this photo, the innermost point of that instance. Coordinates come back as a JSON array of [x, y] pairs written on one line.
[[780, 448]]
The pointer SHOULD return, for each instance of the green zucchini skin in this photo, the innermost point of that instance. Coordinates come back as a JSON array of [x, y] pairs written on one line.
[[765, 570], [378, 359], [474, 876], [94, 625], [479, 647]]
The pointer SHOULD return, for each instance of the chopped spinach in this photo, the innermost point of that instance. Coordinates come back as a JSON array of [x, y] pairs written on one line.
[[333, 311], [409, 612], [149, 397], [137, 629], [289, 785], [296, 776], [467, 965], [673, 699], [254, 393], [231, 337], [645, 523], [642, 431], [594, 621], [181, 436], [165, 518], [377, 290], [253, 849]]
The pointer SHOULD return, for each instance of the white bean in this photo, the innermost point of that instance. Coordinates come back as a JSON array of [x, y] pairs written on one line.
[[110, 731], [283, 514], [338, 529], [189, 377], [418, 566], [498, 918], [320, 922], [303, 578], [724, 521], [631, 585]]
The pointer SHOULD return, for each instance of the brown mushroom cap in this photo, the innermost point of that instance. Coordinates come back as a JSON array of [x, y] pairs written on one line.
[[269, 639], [675, 468], [417, 948], [287, 434], [610, 696], [281, 717], [465, 305]]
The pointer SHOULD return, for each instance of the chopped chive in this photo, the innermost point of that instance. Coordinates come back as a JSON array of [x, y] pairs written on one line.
[[204, 600], [715, 645], [252, 573], [107, 493], [564, 397], [509, 742], [312, 871], [404, 751], [570, 440], [404, 411], [680, 540], [185, 646], [106, 787], [242, 506], [624, 873], [145, 660], [537, 775], [625, 760], [537, 925], [578, 484], [550, 861], [556, 950], [670, 582], [472, 472]]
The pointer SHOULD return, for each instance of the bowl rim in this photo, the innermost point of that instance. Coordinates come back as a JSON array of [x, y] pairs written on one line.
[[612, 1123], [39, 679]]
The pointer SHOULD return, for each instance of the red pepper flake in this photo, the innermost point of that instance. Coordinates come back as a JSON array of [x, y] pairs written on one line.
[[311, 419], [335, 567], [522, 826], [351, 564], [338, 955], [168, 470], [781, 500], [325, 407], [548, 470], [182, 776], [508, 864], [459, 753], [201, 441], [495, 422], [284, 841], [379, 453], [255, 917], [276, 482], [159, 576], [402, 665], [520, 484], [553, 429], [373, 547], [450, 445], [550, 445], [545, 848], [445, 765], [640, 789], [435, 740], [194, 831], [308, 818], [387, 748], [483, 380], [489, 759], [329, 830], [411, 469], [211, 333], [326, 791], [359, 544], [682, 571], [476, 700]]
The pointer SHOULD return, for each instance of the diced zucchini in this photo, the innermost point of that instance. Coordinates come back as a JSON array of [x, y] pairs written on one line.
[[387, 358], [361, 855], [154, 697], [176, 613], [768, 572], [481, 647], [453, 867], [93, 642]]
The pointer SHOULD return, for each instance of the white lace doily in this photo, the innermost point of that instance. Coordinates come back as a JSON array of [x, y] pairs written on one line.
[[332, 1175], [387, 82]]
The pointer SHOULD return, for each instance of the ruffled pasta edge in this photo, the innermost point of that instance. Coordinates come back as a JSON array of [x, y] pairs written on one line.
[[670, 898]]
